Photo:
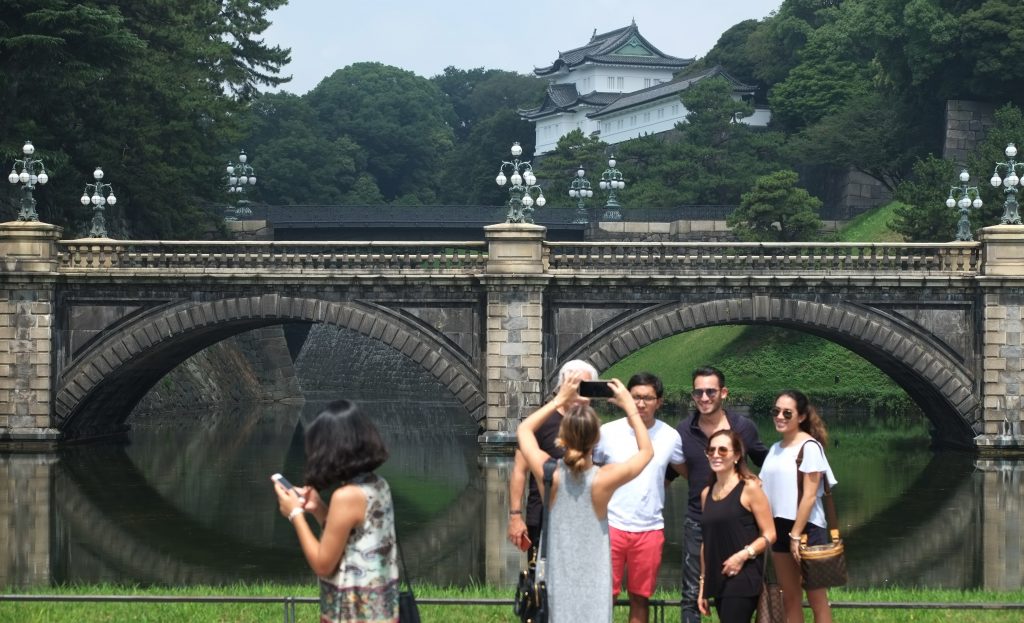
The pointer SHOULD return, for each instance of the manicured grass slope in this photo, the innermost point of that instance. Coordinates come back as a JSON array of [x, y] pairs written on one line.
[[759, 361]]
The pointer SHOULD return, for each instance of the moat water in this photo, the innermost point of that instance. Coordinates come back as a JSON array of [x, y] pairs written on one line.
[[189, 501]]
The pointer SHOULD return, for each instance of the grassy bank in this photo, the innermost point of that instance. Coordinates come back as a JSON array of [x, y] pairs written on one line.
[[272, 612], [758, 361]]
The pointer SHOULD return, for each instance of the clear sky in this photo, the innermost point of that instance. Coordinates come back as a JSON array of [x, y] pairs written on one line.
[[425, 36]]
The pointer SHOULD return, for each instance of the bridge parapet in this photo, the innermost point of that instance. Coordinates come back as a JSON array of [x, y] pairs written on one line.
[[229, 256], [747, 258]]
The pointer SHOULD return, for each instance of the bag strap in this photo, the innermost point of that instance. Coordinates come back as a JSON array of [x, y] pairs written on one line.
[[405, 571], [549, 474], [831, 518]]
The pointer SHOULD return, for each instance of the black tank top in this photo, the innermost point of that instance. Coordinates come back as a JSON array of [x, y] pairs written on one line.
[[727, 527]]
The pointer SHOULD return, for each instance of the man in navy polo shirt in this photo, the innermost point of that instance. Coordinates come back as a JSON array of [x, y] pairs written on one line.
[[709, 391]]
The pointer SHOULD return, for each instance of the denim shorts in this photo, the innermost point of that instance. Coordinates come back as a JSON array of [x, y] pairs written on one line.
[[816, 535]]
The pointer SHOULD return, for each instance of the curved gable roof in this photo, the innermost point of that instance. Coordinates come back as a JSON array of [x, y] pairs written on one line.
[[672, 88], [623, 46]]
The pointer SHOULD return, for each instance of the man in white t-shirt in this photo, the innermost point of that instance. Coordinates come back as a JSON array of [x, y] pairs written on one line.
[[635, 522]]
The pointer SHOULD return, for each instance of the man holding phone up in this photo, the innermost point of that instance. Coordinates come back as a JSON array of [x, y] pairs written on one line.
[[524, 531], [635, 524]]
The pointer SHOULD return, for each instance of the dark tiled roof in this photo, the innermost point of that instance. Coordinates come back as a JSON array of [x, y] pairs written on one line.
[[601, 49], [668, 89], [561, 97]]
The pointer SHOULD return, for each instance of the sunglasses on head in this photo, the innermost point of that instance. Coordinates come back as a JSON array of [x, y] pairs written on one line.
[[697, 393], [721, 450], [787, 414]]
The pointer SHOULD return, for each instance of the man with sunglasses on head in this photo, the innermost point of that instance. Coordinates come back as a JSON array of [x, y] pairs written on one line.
[[636, 527], [709, 416]]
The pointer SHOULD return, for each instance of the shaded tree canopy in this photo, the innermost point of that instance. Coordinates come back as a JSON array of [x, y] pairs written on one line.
[[150, 90]]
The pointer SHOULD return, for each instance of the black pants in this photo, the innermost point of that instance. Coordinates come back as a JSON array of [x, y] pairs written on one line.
[[735, 609]]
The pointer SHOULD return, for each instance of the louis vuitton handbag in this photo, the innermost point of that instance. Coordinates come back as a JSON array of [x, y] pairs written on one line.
[[770, 608], [822, 566]]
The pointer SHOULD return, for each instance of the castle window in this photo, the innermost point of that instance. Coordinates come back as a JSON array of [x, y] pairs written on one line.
[[611, 83], [647, 82], [620, 82]]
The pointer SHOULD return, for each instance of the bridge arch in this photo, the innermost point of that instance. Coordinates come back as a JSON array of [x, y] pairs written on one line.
[[115, 372], [931, 374]]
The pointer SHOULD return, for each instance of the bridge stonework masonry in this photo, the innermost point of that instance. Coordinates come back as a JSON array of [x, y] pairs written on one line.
[[88, 326]]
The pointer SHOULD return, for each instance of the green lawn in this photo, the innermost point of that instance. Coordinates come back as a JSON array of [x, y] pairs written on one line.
[[272, 612], [871, 226]]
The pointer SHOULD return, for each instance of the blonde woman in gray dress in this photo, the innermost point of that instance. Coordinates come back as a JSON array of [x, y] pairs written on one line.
[[579, 574]]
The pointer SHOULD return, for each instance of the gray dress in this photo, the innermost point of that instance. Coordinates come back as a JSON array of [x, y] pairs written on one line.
[[579, 560]]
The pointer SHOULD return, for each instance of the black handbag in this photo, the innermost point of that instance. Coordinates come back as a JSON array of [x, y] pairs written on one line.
[[531, 601], [822, 566], [408, 611]]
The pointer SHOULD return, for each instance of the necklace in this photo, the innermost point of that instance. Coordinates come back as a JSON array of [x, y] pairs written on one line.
[[724, 489]]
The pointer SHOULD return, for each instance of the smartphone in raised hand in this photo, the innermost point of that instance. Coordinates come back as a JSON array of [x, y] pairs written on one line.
[[595, 389]]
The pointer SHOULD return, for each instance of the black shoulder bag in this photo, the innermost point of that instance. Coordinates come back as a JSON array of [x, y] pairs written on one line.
[[531, 603], [408, 611]]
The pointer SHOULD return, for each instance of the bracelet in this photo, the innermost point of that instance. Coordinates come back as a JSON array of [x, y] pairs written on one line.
[[515, 512], [295, 513], [794, 538], [750, 551]]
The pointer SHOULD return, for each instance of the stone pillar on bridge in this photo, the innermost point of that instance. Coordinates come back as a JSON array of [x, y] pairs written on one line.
[[28, 269], [515, 283], [1002, 289], [25, 514]]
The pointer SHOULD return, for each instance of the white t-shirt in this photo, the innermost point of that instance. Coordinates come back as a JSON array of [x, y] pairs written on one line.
[[778, 477], [636, 506]]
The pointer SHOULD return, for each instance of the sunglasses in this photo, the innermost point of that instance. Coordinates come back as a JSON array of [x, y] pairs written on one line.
[[787, 414], [721, 450], [697, 393]]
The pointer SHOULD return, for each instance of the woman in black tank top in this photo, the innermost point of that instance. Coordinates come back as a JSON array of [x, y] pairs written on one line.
[[738, 529]]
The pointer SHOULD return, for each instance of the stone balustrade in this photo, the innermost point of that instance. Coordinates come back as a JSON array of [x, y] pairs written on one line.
[[763, 258], [472, 257], [214, 256]]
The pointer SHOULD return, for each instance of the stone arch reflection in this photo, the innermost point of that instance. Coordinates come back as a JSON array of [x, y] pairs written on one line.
[[192, 504]]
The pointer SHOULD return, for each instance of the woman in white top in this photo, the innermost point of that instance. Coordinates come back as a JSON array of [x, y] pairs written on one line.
[[801, 427]]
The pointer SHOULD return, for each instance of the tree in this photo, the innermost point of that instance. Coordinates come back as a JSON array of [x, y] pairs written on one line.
[[559, 167], [149, 89], [400, 119], [281, 136], [1008, 127], [777, 210], [923, 215]]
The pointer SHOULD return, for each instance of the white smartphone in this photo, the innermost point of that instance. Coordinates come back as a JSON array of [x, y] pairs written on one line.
[[281, 480]]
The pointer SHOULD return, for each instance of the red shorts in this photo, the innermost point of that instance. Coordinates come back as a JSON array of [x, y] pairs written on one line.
[[638, 554]]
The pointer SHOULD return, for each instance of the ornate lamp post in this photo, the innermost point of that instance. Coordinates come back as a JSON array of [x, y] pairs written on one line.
[[611, 180], [964, 197], [239, 178], [579, 189], [102, 195], [32, 172], [524, 183], [1011, 215]]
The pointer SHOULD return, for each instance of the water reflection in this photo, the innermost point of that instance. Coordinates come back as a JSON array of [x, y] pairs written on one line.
[[189, 502]]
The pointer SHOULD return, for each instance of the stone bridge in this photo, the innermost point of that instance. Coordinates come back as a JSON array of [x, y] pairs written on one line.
[[88, 326]]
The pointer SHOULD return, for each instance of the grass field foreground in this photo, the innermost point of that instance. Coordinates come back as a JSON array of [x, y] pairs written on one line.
[[64, 612]]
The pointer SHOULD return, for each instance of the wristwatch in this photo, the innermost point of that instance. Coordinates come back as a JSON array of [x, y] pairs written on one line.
[[750, 551], [515, 512]]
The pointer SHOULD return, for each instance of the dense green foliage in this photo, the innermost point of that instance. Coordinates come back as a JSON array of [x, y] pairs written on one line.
[[776, 210], [148, 89], [162, 94], [498, 613]]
